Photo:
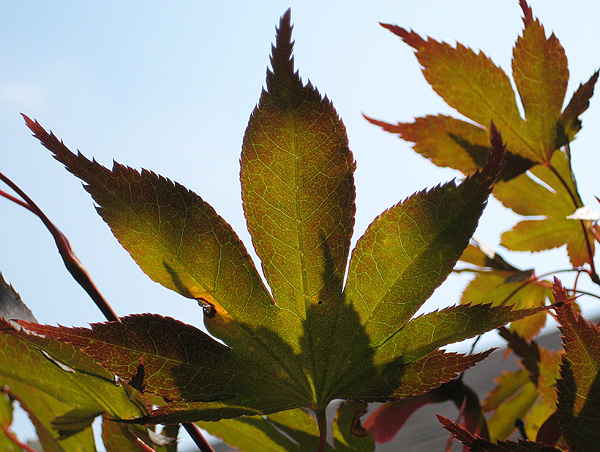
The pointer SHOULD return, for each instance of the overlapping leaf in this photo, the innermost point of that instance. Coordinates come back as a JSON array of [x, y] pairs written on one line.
[[314, 340], [528, 394], [62, 389], [500, 283], [554, 199], [578, 387], [472, 84], [47, 389], [478, 444], [477, 88], [293, 431]]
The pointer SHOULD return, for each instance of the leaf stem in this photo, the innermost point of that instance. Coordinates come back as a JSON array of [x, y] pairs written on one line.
[[10, 435], [81, 275], [198, 437], [592, 272], [322, 424]]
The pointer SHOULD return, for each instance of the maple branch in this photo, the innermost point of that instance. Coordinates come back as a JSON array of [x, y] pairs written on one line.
[[81, 275], [71, 261], [195, 433]]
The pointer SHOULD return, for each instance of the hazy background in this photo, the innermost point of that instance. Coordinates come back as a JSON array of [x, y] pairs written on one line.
[[170, 87]]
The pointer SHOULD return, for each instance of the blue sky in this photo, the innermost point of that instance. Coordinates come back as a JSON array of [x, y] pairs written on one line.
[[169, 86]]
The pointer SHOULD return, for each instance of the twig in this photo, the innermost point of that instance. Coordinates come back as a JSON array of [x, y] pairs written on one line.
[[80, 274], [198, 437], [73, 264]]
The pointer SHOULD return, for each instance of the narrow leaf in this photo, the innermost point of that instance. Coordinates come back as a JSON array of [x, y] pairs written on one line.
[[297, 186], [570, 123], [176, 238], [477, 444], [11, 305], [579, 385], [541, 76], [419, 241], [472, 84], [450, 142]]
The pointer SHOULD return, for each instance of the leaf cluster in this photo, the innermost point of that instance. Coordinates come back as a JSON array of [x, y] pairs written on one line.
[[321, 322]]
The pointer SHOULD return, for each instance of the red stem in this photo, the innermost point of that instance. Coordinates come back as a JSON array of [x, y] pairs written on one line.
[[592, 272], [8, 432], [80, 274], [198, 437], [73, 264]]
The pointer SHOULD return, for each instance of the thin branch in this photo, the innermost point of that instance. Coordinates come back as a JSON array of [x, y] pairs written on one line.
[[198, 437], [73, 264], [592, 272], [81, 275]]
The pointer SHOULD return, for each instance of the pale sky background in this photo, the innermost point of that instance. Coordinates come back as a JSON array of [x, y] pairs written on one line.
[[170, 86]]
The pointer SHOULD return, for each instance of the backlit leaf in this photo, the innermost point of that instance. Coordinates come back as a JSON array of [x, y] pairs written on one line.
[[578, 387], [477, 444], [6, 419], [292, 431], [472, 84], [541, 76], [570, 123], [553, 196], [500, 283], [314, 340]]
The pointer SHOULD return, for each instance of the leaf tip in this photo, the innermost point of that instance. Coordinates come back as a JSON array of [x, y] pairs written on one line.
[[282, 60], [527, 12], [498, 152], [409, 37]]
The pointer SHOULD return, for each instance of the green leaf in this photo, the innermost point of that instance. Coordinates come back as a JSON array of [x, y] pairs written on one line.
[[578, 387], [315, 340], [528, 394], [553, 196], [450, 142], [6, 419], [43, 390], [177, 239], [61, 388], [298, 187], [446, 141], [410, 249], [500, 283], [472, 84], [293, 431], [541, 76]]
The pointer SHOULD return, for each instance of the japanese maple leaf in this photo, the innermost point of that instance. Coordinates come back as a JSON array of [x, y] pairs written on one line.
[[310, 339], [500, 282], [481, 91]]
